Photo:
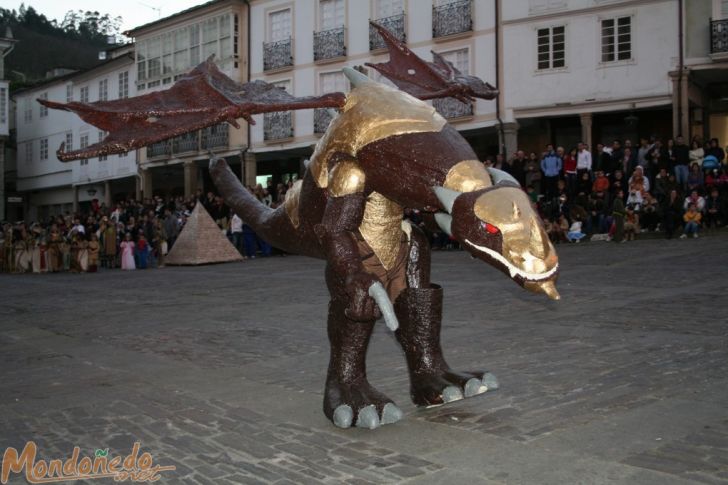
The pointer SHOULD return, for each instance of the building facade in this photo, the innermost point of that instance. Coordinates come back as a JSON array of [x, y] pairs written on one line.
[[7, 155], [169, 48], [588, 70], [567, 70], [302, 46], [51, 187], [701, 86]]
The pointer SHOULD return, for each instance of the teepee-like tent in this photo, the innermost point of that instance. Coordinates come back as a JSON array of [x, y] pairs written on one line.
[[201, 242]]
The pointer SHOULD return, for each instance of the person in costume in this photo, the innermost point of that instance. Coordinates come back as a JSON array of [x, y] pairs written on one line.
[[93, 253], [127, 253]]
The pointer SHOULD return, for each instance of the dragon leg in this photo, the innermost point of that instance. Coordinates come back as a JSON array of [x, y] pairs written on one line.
[[349, 399], [419, 310]]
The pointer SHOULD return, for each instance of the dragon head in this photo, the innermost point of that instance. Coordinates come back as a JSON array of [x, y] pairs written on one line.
[[496, 223]]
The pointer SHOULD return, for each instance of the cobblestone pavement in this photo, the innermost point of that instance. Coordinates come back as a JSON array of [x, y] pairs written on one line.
[[219, 371]]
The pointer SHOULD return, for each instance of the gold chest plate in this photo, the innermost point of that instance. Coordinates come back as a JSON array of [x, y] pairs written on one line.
[[381, 227], [372, 112]]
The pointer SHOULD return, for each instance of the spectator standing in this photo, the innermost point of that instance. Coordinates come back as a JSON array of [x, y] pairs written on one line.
[[583, 160], [127, 253], [171, 228], [551, 166], [518, 167], [714, 210], [672, 213], [236, 229], [533, 173], [570, 172], [696, 154], [715, 150], [679, 154]]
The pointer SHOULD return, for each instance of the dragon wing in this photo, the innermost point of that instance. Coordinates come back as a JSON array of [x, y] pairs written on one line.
[[203, 97], [428, 80]]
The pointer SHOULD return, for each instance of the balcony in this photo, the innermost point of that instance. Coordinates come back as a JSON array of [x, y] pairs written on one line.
[[321, 119], [160, 149], [277, 126], [394, 24], [277, 55], [215, 136], [191, 143], [451, 108], [452, 18], [719, 36], [329, 44]]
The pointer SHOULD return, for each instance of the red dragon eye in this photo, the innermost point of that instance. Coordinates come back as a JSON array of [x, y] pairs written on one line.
[[490, 228]]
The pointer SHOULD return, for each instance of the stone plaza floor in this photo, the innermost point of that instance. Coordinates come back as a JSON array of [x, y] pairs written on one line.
[[219, 371]]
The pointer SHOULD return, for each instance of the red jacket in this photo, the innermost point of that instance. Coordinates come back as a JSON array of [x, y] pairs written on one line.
[[569, 164]]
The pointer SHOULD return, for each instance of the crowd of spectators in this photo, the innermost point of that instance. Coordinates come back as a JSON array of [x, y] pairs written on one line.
[[613, 193], [619, 191], [129, 234]]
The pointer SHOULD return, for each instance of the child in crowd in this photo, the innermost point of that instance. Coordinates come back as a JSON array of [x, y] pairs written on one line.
[[692, 221], [127, 253], [575, 234]]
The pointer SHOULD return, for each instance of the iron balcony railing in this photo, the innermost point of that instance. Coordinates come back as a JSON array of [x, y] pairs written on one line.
[[193, 142], [277, 54], [160, 149], [321, 119], [277, 126], [329, 44], [189, 142], [452, 18], [452, 108], [394, 24], [215, 136], [719, 36]]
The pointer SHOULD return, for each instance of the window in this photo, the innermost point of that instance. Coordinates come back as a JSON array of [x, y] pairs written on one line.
[[551, 48], [102, 135], [459, 58], [84, 94], [69, 93], [84, 144], [69, 141], [103, 90], [332, 82], [44, 149], [724, 9], [331, 14], [27, 110], [29, 152], [279, 25], [286, 85], [123, 84], [389, 8], [617, 39], [43, 109], [176, 51]]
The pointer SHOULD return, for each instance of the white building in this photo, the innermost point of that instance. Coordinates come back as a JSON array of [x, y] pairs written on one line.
[[53, 187], [567, 70], [303, 46], [7, 164], [165, 50]]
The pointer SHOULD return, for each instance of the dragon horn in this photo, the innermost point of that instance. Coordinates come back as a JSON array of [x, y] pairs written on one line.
[[444, 221], [356, 78], [499, 176], [446, 197]]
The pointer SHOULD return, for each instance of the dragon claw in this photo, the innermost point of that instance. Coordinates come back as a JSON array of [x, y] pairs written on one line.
[[474, 387], [391, 413], [490, 381], [451, 393], [343, 416], [368, 417]]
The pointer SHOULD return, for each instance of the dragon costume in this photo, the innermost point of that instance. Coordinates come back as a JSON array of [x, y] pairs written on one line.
[[385, 151]]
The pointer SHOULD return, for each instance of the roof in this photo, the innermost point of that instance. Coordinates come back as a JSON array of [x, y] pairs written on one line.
[[131, 32], [70, 75]]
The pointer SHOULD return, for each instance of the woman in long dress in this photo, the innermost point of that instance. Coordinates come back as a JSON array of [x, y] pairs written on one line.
[[82, 253], [127, 253]]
